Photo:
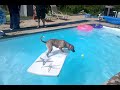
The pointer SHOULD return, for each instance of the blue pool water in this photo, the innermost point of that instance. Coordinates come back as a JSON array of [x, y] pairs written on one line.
[[101, 58]]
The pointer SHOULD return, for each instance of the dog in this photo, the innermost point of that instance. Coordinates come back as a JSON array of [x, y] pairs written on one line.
[[58, 44]]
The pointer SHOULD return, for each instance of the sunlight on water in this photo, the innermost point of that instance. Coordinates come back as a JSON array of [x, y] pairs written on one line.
[[96, 59]]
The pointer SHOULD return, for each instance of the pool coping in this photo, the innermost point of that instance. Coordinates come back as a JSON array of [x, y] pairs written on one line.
[[12, 36], [48, 30], [73, 21]]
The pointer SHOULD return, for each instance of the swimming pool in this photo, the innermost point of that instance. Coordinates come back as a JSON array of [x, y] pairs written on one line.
[[101, 58]]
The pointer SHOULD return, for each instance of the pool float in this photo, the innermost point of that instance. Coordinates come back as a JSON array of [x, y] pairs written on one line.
[[97, 26], [84, 27]]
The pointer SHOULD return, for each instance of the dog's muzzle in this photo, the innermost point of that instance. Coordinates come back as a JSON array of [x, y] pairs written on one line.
[[73, 50]]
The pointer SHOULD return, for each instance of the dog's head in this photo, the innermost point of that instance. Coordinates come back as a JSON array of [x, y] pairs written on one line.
[[71, 47]]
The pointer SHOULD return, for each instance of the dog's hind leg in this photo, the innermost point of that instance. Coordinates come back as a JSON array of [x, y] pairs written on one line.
[[49, 49], [61, 49]]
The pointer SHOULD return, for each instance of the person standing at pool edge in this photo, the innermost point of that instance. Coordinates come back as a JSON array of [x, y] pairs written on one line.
[[14, 11], [41, 12]]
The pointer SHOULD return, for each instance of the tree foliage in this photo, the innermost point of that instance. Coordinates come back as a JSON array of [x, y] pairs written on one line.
[[75, 9], [92, 9]]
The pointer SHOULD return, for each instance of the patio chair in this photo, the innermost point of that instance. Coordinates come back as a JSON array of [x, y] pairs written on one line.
[[57, 13], [49, 16], [108, 11]]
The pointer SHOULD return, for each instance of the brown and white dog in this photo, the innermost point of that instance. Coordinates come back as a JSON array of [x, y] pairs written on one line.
[[58, 44]]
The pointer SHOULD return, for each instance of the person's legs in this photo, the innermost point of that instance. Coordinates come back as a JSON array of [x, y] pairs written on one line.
[[38, 17], [16, 19], [38, 23], [11, 17], [43, 18], [11, 21]]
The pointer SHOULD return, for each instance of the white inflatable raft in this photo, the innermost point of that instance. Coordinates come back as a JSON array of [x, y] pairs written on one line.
[[49, 66]]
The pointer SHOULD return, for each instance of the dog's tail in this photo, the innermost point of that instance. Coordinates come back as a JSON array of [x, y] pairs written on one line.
[[42, 40]]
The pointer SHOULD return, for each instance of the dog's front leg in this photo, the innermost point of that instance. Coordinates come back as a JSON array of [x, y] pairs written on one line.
[[49, 46], [49, 51], [61, 49]]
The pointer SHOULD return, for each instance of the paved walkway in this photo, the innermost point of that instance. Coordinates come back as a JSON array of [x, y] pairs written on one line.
[[29, 26]]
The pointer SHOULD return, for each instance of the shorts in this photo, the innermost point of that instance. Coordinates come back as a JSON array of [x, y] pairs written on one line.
[[40, 14]]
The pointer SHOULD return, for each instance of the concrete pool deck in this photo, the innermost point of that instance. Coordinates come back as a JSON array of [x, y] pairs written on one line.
[[29, 27]]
